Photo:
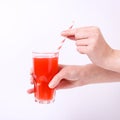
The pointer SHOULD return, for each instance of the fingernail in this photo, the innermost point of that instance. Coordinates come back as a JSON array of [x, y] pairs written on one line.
[[51, 85], [63, 32]]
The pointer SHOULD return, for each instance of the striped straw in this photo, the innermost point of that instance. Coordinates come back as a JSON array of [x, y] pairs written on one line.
[[61, 43]]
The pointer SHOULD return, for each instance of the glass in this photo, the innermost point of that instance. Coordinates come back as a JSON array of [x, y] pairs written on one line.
[[45, 66]]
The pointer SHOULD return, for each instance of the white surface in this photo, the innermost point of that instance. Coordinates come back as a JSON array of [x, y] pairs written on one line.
[[24, 22]]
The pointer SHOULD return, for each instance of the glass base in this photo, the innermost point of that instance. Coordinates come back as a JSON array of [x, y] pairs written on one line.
[[44, 101]]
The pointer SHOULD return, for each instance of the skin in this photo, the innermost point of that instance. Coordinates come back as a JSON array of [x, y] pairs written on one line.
[[106, 61], [82, 75], [70, 76], [90, 41]]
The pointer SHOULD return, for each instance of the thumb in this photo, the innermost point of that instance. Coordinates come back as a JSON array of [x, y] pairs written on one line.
[[56, 80]]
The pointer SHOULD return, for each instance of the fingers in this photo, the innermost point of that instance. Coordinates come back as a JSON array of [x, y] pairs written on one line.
[[56, 79], [86, 38], [30, 91], [76, 34], [82, 42], [31, 71], [69, 32], [82, 49], [80, 33], [32, 79]]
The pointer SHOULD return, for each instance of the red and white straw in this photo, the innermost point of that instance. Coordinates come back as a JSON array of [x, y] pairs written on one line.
[[61, 43]]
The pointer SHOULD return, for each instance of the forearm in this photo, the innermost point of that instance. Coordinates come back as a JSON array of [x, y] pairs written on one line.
[[95, 74]]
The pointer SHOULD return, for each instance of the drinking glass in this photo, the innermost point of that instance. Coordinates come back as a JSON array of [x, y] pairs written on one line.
[[45, 66]]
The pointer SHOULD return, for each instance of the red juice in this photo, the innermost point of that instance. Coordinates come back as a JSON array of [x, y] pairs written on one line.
[[45, 67]]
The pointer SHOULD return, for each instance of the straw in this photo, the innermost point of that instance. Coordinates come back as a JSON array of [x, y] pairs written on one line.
[[61, 43]]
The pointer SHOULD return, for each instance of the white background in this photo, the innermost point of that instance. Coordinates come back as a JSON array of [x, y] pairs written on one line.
[[25, 22]]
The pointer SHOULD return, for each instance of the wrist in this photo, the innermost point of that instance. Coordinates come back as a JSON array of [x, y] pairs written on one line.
[[94, 74], [88, 74], [112, 62]]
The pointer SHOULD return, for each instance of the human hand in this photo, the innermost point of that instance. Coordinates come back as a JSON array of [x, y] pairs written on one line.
[[69, 76], [90, 41], [31, 90]]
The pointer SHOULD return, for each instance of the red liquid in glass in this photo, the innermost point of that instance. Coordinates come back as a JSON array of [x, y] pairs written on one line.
[[44, 70]]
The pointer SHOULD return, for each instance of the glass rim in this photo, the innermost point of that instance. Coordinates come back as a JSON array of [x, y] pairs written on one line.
[[45, 54], [54, 52]]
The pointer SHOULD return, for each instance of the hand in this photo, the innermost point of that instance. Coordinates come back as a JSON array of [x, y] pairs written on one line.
[[31, 90], [67, 77], [74, 76], [70, 76], [89, 40]]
